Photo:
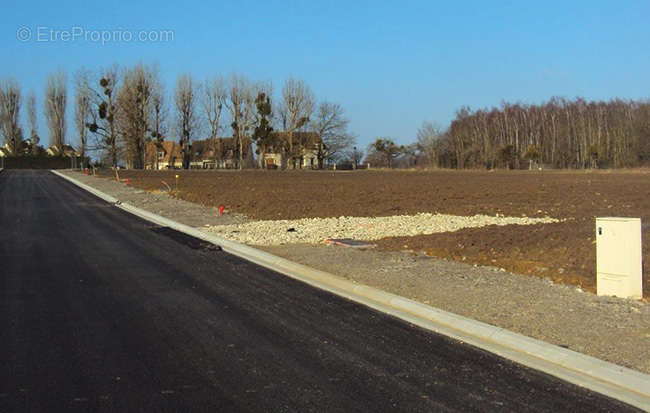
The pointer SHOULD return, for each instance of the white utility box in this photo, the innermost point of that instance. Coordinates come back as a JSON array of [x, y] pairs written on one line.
[[618, 257]]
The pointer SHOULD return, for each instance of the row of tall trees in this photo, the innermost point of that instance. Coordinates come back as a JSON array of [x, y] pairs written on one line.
[[117, 112], [562, 133], [55, 103]]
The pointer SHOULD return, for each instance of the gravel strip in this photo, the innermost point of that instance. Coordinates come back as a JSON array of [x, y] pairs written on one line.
[[315, 230], [612, 329]]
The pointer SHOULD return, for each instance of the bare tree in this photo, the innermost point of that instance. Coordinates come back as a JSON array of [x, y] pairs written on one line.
[[135, 102], [213, 99], [295, 110], [159, 115], [241, 105], [33, 121], [187, 120], [56, 96], [82, 114], [331, 126], [104, 118], [427, 141], [10, 115], [564, 133]]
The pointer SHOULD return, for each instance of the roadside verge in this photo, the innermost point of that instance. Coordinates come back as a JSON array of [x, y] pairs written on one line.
[[615, 381]]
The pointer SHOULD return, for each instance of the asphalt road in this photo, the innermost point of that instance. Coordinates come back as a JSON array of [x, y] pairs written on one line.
[[101, 311]]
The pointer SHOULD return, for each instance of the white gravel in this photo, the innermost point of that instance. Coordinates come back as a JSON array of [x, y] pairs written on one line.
[[316, 230], [613, 329]]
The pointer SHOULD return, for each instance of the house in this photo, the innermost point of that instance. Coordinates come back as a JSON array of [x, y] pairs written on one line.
[[30, 148], [25, 147], [66, 151], [163, 155], [5, 151], [209, 155], [224, 156], [202, 155], [309, 151]]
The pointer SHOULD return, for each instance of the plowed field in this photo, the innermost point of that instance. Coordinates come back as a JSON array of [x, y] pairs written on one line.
[[564, 252]]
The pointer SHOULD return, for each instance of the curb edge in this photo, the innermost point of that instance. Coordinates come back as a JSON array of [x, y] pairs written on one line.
[[607, 378]]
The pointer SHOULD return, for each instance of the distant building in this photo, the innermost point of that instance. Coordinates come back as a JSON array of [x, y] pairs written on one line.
[[308, 151], [5, 151], [168, 154], [25, 147], [66, 151], [163, 155]]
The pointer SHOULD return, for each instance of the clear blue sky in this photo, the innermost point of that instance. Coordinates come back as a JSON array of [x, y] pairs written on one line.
[[391, 65]]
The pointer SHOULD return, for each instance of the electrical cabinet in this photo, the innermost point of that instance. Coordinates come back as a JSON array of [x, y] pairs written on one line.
[[618, 257]]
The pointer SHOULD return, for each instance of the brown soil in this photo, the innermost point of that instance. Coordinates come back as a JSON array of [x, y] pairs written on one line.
[[564, 252]]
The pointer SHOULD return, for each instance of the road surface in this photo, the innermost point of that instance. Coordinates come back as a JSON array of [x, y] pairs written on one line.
[[101, 311]]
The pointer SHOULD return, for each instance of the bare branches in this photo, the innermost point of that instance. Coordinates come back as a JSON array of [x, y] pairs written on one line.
[[331, 126], [159, 114], [10, 114], [104, 115], [427, 141], [187, 120], [82, 114], [122, 118], [33, 119], [56, 96], [563, 133], [295, 110], [241, 105], [213, 100], [136, 103]]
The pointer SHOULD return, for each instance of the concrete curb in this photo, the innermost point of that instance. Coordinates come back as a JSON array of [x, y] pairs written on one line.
[[615, 381], [98, 194]]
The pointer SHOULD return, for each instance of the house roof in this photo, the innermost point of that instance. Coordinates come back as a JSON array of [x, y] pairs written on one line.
[[66, 150], [308, 140], [202, 149], [171, 149]]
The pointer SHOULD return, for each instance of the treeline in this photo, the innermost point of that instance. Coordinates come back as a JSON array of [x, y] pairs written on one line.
[[120, 112], [561, 133]]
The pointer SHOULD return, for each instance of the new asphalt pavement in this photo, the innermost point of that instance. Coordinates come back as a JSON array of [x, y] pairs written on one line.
[[102, 311]]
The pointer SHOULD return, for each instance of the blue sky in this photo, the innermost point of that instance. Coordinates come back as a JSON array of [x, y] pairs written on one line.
[[391, 65]]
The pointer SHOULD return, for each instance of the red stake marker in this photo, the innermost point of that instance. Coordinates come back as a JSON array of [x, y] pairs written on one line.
[[221, 208], [127, 181]]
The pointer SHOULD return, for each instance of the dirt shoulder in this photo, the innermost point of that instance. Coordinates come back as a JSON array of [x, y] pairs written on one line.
[[611, 329]]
